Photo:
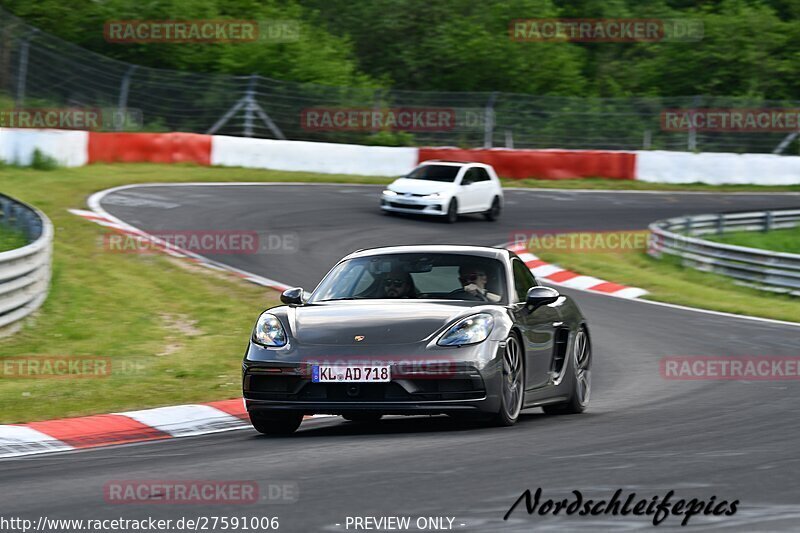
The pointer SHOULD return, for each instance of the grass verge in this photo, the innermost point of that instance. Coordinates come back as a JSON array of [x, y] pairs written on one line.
[[668, 281], [11, 238], [780, 240], [175, 336]]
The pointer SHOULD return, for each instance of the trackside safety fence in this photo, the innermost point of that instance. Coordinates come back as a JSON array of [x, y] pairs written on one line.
[[39, 70], [763, 269], [24, 272]]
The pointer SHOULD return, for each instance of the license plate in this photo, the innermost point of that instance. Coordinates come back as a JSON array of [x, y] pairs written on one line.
[[350, 373]]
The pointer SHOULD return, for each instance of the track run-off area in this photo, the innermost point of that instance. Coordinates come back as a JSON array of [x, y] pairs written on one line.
[[735, 440]]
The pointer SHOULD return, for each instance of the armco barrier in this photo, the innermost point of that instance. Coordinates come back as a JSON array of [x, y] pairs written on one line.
[[24, 272], [775, 271], [546, 164]]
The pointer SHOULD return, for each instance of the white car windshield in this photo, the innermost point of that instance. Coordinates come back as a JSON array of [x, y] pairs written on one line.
[[443, 173], [415, 276]]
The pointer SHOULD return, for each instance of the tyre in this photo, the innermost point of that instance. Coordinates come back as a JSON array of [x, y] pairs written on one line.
[[276, 423], [513, 383], [363, 418], [452, 212], [581, 378], [494, 211]]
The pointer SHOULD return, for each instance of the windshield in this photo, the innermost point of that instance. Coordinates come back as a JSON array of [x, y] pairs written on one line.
[[443, 173], [415, 276]]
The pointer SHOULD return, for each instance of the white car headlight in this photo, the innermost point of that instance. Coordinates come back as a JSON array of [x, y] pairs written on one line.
[[269, 331], [387, 192], [434, 196], [470, 330]]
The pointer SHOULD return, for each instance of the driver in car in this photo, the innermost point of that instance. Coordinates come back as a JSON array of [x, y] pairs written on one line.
[[474, 280], [398, 285]]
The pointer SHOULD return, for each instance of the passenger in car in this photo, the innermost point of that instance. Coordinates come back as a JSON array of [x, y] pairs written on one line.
[[474, 280]]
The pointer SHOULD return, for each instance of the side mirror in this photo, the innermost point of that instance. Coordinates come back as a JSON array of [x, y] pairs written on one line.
[[293, 296], [539, 296]]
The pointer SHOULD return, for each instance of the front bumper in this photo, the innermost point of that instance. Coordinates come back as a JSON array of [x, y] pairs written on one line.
[[414, 205], [467, 381]]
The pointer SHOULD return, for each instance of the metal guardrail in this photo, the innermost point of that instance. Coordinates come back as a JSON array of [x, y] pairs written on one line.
[[24, 272], [763, 269]]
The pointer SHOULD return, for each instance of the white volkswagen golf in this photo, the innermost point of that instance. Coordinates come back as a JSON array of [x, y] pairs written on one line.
[[446, 189]]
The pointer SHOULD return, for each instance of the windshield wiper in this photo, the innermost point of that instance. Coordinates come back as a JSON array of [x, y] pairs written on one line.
[[338, 299]]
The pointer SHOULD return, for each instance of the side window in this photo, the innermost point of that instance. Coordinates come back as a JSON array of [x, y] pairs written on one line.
[[481, 174], [469, 177], [364, 281], [523, 280]]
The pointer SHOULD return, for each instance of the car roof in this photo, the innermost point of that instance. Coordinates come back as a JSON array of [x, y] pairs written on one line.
[[454, 163], [481, 251]]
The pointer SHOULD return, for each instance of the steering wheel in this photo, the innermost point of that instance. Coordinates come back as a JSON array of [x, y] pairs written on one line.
[[464, 295]]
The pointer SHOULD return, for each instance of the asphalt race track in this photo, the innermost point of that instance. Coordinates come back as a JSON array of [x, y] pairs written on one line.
[[642, 433]]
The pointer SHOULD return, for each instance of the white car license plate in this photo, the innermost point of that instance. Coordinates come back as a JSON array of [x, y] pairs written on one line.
[[350, 373]]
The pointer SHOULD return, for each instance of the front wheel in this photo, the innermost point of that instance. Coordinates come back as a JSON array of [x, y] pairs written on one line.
[[276, 423], [513, 383], [452, 212], [494, 211], [581, 378]]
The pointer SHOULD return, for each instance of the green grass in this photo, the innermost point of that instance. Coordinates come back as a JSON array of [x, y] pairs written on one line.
[[781, 240], [184, 329], [668, 281], [11, 238]]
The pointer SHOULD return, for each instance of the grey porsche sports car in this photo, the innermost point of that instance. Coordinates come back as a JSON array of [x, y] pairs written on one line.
[[459, 330]]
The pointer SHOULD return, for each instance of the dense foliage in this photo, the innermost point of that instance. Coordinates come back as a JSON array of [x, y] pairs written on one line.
[[750, 47]]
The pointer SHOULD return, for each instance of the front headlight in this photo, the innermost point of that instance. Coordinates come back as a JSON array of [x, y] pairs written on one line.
[[471, 330], [269, 331], [434, 196], [387, 192]]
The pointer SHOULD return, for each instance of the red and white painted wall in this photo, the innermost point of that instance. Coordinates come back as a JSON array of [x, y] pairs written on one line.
[[77, 148]]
